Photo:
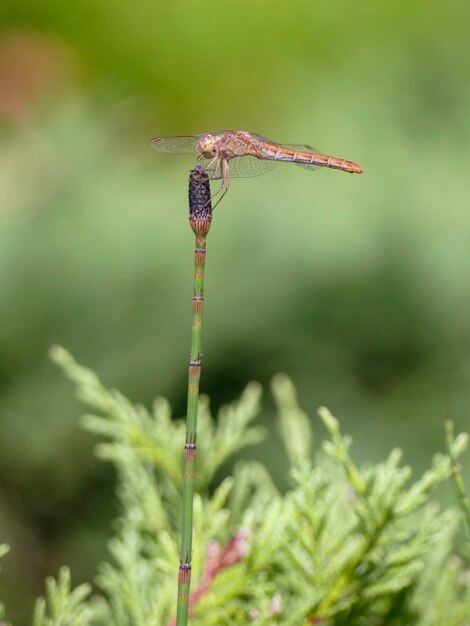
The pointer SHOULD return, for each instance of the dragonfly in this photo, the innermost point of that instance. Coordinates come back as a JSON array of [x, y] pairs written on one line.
[[240, 154]]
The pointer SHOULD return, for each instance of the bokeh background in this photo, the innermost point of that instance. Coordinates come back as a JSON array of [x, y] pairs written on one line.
[[356, 286]]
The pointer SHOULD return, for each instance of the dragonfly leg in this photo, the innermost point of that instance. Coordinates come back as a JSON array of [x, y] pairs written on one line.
[[225, 174], [210, 165], [225, 181], [217, 170], [222, 190]]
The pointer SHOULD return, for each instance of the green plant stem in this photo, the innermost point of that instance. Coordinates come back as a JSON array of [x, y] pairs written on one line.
[[462, 496], [200, 216]]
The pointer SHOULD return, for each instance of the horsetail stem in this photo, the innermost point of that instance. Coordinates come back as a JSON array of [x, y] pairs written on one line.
[[200, 217], [463, 498]]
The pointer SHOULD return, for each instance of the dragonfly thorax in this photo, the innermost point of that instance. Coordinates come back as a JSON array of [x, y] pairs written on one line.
[[207, 146], [227, 145]]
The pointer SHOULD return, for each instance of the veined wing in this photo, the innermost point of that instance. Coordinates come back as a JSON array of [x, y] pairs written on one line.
[[299, 146], [186, 144], [248, 166], [294, 146], [242, 167]]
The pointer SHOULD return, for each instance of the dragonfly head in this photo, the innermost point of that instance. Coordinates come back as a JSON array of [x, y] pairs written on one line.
[[207, 146]]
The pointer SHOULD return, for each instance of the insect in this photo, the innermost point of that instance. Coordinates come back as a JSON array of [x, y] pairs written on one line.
[[239, 154]]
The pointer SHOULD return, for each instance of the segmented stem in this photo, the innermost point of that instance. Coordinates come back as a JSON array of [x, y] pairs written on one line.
[[200, 216], [463, 498]]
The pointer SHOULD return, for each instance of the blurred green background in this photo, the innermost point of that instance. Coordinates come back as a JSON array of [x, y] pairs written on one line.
[[357, 287]]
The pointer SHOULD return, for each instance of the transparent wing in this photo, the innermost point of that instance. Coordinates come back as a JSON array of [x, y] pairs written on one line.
[[240, 167], [295, 146], [185, 145], [248, 166], [261, 138], [299, 146]]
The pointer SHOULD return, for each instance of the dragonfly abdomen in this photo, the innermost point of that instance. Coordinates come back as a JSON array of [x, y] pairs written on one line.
[[289, 155]]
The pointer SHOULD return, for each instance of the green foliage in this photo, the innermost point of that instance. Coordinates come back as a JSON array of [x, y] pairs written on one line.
[[62, 605], [454, 447], [345, 546]]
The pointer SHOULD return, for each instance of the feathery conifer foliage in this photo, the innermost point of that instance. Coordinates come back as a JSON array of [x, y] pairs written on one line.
[[346, 545]]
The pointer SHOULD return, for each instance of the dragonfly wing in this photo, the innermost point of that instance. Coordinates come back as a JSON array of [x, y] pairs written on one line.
[[299, 146], [240, 167], [248, 166], [186, 145], [294, 146], [261, 138]]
